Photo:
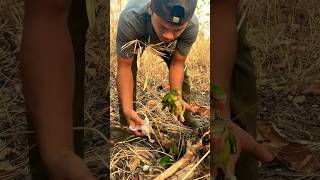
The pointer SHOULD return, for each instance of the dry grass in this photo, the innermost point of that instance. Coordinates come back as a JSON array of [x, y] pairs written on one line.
[[285, 40], [129, 156], [286, 55], [152, 66], [13, 142]]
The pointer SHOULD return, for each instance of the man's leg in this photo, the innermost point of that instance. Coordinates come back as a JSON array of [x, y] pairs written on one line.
[[78, 24], [186, 93], [47, 69], [243, 105]]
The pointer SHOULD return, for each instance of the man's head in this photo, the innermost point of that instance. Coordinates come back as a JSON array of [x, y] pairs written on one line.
[[170, 17]]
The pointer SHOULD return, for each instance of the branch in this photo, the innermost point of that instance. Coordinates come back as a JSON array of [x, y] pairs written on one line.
[[192, 150]]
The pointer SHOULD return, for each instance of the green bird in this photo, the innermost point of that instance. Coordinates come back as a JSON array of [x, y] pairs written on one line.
[[226, 145], [224, 138], [175, 106], [217, 93], [219, 100]]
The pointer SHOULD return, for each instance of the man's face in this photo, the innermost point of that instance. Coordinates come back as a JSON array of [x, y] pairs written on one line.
[[166, 31]]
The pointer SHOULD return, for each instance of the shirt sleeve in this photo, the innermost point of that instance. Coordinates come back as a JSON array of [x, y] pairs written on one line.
[[188, 37], [125, 34]]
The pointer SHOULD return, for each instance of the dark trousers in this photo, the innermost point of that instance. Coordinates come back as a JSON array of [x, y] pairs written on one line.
[[243, 102]]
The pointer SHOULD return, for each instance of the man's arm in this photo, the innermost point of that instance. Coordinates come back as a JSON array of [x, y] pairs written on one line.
[[125, 83], [125, 92], [224, 34], [47, 70], [183, 47], [125, 33], [223, 58], [176, 71]]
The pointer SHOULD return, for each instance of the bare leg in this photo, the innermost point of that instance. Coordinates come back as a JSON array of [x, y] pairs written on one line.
[[47, 69]]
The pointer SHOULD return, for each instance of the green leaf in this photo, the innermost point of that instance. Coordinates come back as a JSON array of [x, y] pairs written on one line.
[[166, 161], [175, 151]]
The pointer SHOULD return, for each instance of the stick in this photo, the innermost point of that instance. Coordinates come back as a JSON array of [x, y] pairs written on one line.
[[196, 165], [187, 157]]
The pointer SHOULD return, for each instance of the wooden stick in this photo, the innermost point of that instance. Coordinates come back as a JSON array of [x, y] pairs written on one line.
[[182, 172], [185, 177], [187, 157]]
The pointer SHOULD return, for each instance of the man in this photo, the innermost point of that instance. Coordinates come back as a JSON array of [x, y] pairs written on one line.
[[155, 21], [47, 69], [233, 71]]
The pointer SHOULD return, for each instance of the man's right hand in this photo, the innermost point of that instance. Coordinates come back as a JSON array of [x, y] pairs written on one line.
[[245, 143], [134, 120]]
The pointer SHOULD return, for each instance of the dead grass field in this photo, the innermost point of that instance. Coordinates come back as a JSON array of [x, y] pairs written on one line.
[[284, 36], [130, 155], [286, 49], [13, 138]]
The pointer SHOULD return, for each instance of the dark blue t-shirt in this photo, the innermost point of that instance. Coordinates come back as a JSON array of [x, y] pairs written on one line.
[[135, 23]]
